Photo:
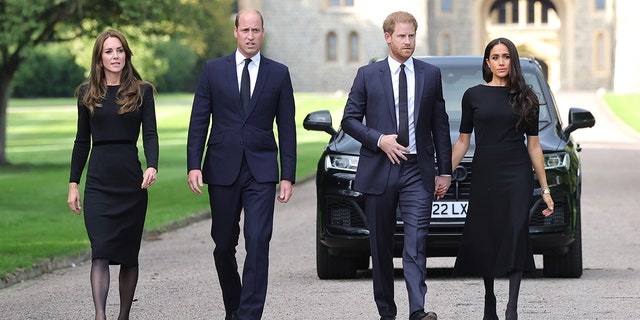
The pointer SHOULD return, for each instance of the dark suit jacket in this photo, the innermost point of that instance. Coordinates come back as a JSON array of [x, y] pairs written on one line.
[[371, 98], [234, 133]]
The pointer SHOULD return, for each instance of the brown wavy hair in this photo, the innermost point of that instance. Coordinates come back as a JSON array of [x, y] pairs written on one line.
[[94, 89], [522, 98], [389, 24]]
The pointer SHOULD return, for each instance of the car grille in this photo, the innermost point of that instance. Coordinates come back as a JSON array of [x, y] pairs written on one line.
[[460, 190], [344, 213], [559, 216]]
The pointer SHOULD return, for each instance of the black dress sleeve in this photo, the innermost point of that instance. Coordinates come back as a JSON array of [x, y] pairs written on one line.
[[532, 129], [149, 127], [82, 143], [466, 120]]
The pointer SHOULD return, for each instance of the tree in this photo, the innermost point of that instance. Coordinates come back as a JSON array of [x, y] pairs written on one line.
[[25, 25]]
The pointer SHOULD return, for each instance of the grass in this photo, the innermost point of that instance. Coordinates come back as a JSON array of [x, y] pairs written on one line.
[[626, 107], [35, 221]]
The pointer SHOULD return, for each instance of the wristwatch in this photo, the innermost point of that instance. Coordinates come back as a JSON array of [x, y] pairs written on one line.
[[545, 191]]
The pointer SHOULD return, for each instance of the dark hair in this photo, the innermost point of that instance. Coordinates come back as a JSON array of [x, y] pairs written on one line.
[[523, 99], [94, 89]]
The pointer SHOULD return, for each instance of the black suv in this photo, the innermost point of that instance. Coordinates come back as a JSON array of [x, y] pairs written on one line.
[[342, 235]]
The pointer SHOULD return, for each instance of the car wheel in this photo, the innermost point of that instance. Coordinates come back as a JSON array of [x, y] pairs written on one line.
[[332, 267], [568, 265]]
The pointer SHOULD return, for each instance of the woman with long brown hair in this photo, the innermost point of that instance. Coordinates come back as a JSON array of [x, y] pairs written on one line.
[[113, 104]]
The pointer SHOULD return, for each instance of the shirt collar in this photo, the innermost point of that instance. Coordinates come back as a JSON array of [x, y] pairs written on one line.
[[394, 65], [240, 58]]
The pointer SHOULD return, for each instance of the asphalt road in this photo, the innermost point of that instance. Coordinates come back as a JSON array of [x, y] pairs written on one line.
[[178, 280]]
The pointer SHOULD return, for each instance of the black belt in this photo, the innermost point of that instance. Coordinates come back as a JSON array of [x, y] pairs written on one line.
[[105, 142]]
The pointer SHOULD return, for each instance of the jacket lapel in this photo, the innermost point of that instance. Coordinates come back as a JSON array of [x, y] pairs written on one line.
[[417, 95], [387, 88], [232, 80], [263, 72]]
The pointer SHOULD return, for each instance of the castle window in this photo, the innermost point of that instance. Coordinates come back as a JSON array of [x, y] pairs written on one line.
[[600, 59], [446, 5], [341, 3], [521, 11], [354, 47], [445, 47], [600, 5], [331, 45]]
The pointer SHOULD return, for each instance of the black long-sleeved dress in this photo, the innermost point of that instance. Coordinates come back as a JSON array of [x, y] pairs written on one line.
[[496, 237], [114, 204]]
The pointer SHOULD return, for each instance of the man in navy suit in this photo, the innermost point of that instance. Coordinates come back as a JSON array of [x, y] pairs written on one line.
[[241, 159], [397, 164]]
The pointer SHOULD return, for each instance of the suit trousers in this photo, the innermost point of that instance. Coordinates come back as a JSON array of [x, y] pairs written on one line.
[[257, 199], [406, 191]]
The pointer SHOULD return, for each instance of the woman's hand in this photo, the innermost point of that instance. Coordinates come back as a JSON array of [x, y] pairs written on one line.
[[74, 198], [149, 177], [547, 199]]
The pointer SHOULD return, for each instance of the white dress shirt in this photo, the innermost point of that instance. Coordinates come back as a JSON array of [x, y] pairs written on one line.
[[409, 70], [253, 69]]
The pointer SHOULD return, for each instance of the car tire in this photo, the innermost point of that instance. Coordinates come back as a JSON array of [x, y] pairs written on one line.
[[332, 267], [568, 265]]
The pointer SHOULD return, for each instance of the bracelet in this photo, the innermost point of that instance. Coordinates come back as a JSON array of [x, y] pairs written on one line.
[[545, 191]]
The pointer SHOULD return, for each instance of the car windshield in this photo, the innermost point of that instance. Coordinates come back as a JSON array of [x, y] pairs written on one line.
[[456, 80]]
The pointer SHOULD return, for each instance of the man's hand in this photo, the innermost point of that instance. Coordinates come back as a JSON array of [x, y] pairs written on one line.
[[286, 191], [442, 185], [392, 148], [195, 180]]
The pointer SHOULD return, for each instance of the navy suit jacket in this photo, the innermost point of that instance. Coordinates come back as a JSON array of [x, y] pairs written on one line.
[[371, 98], [217, 106]]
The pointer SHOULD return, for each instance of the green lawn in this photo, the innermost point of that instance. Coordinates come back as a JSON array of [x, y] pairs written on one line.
[[35, 221], [626, 107]]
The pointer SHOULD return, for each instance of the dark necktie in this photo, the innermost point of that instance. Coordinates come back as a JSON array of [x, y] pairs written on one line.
[[245, 85], [403, 105]]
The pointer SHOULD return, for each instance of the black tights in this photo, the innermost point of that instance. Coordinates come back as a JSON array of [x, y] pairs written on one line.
[[100, 278], [490, 298]]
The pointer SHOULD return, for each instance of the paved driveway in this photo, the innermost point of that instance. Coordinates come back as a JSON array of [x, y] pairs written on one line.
[[178, 280]]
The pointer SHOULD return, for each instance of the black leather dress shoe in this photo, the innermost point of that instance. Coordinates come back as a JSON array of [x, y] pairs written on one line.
[[421, 315], [387, 318]]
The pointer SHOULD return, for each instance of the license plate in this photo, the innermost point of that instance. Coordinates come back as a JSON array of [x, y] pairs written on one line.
[[449, 209]]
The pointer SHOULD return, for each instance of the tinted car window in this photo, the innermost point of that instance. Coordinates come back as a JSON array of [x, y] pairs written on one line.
[[455, 81]]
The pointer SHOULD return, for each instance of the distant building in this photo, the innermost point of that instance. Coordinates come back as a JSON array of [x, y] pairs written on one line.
[[580, 43]]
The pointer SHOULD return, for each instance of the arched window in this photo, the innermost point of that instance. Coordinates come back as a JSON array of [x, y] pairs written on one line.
[[354, 47], [331, 46], [445, 45], [601, 57]]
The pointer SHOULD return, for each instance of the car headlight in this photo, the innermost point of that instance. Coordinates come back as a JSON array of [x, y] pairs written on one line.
[[341, 162], [559, 160]]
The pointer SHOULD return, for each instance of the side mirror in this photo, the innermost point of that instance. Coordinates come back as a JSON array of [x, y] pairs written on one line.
[[319, 121], [578, 119]]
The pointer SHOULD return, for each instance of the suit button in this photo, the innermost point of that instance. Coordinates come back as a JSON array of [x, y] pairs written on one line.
[[241, 141]]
